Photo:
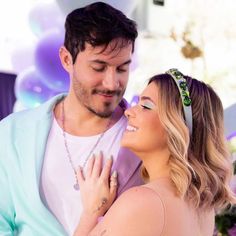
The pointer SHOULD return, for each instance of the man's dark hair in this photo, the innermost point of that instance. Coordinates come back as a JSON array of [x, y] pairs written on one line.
[[98, 24]]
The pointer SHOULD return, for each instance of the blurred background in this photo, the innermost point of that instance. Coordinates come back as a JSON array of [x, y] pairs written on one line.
[[196, 36]]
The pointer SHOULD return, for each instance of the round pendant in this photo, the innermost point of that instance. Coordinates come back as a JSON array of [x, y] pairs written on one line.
[[76, 186]]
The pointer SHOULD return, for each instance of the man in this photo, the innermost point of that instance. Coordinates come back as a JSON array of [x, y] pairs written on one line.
[[42, 148]]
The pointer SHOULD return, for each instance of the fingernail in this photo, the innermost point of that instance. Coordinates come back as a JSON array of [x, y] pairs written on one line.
[[114, 174], [110, 157]]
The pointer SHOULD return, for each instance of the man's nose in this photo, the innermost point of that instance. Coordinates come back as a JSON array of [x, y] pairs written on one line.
[[111, 80]]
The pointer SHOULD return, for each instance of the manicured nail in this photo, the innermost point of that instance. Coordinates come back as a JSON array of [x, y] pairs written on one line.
[[114, 174]]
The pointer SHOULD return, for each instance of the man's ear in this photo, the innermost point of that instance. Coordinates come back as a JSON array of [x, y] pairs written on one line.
[[66, 58]]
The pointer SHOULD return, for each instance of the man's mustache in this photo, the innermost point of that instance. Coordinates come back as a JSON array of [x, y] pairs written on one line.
[[107, 92]]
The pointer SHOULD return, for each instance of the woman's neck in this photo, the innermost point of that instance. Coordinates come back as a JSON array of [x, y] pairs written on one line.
[[156, 164]]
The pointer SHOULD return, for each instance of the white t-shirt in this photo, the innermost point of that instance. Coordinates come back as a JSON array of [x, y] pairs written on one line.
[[58, 178]]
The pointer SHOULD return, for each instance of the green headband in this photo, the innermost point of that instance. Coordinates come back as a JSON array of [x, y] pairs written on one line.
[[184, 94]]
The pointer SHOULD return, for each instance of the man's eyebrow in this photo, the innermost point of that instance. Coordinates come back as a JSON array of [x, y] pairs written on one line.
[[98, 61], [143, 98], [105, 63], [125, 63]]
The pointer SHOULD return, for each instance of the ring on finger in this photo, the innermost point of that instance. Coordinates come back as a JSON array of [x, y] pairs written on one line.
[[113, 182]]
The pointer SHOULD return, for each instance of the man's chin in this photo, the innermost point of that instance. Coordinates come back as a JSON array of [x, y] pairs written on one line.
[[104, 109], [103, 114], [106, 113]]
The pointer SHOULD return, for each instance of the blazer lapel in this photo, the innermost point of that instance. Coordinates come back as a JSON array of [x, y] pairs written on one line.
[[127, 164], [31, 139], [30, 145]]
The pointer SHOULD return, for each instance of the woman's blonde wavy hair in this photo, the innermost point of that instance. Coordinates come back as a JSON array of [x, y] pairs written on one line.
[[200, 164]]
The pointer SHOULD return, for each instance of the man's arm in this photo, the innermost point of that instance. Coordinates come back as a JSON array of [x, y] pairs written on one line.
[[6, 207], [7, 212]]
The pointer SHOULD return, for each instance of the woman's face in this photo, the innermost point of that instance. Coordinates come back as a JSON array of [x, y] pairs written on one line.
[[145, 132]]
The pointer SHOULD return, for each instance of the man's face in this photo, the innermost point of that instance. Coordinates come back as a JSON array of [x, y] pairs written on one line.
[[99, 78]]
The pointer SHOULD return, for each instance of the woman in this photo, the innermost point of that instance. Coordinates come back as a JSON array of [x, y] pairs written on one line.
[[176, 129]]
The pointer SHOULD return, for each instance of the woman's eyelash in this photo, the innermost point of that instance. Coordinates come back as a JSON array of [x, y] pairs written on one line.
[[146, 107]]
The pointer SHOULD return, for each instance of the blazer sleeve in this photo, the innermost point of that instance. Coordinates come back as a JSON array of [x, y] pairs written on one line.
[[6, 209], [7, 213]]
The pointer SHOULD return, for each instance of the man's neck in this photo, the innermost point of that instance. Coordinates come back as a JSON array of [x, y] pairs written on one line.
[[81, 122]]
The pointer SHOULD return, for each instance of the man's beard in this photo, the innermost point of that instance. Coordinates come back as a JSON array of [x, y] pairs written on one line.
[[101, 114], [84, 96]]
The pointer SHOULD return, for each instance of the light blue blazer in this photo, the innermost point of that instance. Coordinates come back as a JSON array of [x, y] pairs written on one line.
[[23, 138]]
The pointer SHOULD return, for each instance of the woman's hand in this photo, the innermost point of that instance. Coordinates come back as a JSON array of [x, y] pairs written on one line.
[[97, 187]]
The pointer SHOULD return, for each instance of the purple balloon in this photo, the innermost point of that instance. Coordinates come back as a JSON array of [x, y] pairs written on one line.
[[231, 136], [232, 231], [30, 89], [134, 100], [48, 63]]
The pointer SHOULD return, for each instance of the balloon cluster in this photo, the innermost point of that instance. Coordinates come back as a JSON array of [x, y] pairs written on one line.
[[40, 73]]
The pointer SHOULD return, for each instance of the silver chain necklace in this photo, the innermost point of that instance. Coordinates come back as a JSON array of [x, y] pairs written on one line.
[[76, 185]]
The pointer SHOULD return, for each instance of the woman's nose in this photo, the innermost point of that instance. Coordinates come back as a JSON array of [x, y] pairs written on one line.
[[129, 112]]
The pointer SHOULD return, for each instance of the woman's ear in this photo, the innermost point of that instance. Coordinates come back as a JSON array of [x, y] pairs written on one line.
[[66, 58]]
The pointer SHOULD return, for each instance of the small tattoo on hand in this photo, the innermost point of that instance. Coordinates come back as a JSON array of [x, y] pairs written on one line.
[[103, 232], [103, 202]]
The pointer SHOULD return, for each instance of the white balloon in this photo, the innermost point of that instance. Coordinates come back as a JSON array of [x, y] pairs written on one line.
[[22, 57], [45, 16]]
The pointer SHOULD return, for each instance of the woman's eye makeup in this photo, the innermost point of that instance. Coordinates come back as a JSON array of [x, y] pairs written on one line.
[[147, 105]]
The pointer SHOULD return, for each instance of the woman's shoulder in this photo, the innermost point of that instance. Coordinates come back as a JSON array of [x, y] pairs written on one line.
[[141, 193], [152, 209], [138, 211], [154, 194]]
